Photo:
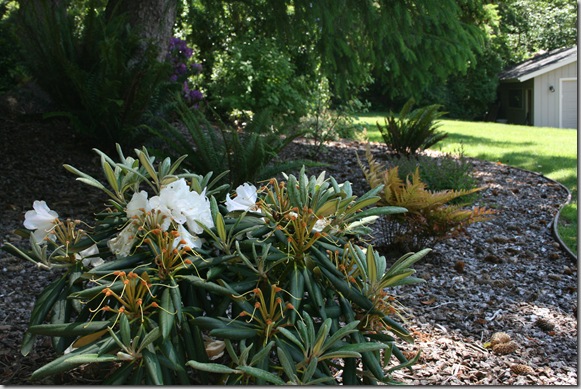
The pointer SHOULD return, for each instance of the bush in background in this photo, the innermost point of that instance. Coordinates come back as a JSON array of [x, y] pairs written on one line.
[[450, 171], [254, 74], [323, 124], [11, 69]]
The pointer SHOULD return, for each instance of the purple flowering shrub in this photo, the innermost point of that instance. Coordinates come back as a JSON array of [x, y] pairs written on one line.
[[185, 70]]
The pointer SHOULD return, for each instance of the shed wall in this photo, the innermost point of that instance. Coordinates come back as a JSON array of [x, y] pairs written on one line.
[[546, 103]]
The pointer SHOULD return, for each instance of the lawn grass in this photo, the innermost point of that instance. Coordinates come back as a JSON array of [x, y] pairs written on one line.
[[549, 151], [568, 226]]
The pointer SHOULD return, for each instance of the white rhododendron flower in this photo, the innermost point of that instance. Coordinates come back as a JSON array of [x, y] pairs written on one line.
[[186, 239], [138, 205], [245, 199], [41, 220], [182, 205], [171, 202], [121, 245], [89, 258], [199, 211]]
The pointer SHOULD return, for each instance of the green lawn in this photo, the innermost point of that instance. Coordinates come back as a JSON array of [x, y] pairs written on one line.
[[550, 151]]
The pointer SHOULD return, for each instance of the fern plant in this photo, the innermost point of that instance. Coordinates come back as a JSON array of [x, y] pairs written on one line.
[[214, 146], [429, 217], [412, 131], [90, 67]]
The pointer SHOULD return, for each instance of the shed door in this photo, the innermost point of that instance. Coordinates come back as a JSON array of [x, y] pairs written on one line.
[[568, 103]]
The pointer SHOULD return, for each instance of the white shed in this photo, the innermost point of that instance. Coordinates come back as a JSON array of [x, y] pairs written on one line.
[[541, 91]]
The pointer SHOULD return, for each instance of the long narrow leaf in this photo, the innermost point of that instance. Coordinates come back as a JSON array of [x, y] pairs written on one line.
[[68, 329], [153, 367], [166, 317], [211, 367], [42, 307], [61, 365], [262, 374], [285, 361]]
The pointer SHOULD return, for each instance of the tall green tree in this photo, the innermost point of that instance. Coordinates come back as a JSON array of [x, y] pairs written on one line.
[[468, 94], [530, 26], [405, 43]]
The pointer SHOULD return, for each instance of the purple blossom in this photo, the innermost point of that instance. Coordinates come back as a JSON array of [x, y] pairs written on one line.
[[181, 68], [186, 87], [179, 55], [196, 95]]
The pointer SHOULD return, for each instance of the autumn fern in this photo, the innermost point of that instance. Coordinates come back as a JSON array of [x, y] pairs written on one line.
[[430, 217]]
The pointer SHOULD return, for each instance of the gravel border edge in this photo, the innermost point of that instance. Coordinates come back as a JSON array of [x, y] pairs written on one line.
[[555, 226], [555, 223]]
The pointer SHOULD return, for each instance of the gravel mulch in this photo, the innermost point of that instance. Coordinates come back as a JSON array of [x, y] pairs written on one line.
[[506, 275]]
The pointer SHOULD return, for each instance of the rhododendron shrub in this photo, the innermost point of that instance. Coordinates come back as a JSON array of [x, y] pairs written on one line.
[[174, 282]]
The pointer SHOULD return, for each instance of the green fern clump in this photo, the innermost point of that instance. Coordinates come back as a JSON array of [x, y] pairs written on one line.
[[246, 154], [430, 217], [412, 131], [94, 68]]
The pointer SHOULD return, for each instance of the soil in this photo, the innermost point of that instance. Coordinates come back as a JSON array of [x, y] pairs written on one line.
[[507, 274]]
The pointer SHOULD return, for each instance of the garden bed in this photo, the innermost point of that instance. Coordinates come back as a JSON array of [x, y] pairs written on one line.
[[507, 274]]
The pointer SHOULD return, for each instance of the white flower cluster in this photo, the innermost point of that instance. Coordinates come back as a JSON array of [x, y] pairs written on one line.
[[177, 206]]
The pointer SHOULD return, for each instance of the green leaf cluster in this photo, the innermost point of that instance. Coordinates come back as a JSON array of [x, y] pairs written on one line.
[[97, 71], [247, 153], [279, 294], [412, 130]]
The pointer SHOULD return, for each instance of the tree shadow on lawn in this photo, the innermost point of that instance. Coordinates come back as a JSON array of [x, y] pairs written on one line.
[[545, 165], [478, 141]]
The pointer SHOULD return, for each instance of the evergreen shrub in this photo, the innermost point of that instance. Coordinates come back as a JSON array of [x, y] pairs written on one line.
[[172, 285], [449, 171]]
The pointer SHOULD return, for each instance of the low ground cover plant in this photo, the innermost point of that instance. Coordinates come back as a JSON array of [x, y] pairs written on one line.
[[173, 285]]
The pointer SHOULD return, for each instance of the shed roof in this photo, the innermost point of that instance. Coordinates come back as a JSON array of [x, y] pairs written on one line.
[[540, 64]]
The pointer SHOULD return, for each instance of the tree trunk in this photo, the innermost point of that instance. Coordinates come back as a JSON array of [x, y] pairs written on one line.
[[152, 19]]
